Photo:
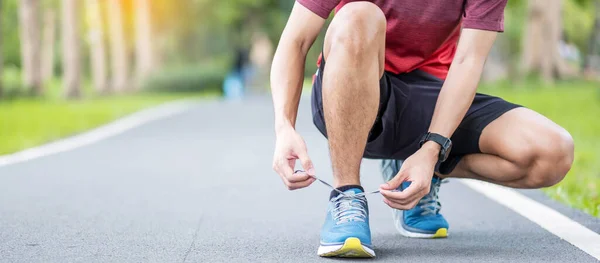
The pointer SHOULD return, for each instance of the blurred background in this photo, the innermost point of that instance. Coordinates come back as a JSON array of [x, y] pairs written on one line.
[[70, 65]]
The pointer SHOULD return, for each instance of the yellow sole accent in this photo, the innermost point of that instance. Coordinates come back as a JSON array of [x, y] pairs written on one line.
[[441, 233], [352, 248]]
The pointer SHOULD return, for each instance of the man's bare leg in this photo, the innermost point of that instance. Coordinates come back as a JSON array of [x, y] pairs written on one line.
[[354, 55], [521, 149], [354, 59]]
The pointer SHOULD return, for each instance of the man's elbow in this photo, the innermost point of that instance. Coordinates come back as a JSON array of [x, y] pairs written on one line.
[[469, 59], [301, 43], [295, 43]]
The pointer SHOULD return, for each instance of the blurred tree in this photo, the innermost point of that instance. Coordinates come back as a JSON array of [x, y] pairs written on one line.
[[578, 22], [97, 47], [227, 26], [29, 13], [71, 49], [119, 58], [143, 32], [541, 39], [10, 25], [594, 43], [260, 57], [49, 40], [1, 52]]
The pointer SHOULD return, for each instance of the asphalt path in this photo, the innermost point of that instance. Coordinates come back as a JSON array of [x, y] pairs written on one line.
[[198, 187]]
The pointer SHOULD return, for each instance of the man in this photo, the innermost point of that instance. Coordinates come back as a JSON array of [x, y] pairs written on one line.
[[396, 83]]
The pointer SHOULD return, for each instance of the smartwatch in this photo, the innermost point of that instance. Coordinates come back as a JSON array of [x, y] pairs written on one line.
[[446, 144]]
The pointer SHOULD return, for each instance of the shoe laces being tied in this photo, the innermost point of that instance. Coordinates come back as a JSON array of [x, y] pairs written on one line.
[[349, 207], [430, 203]]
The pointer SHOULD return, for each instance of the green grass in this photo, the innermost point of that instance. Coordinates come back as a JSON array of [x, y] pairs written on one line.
[[27, 122], [576, 107]]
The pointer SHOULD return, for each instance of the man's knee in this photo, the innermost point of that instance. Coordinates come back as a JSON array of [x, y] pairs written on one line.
[[357, 28], [549, 163]]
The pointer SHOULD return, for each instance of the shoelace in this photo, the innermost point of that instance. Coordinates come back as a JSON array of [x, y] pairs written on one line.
[[335, 189], [430, 203], [349, 207]]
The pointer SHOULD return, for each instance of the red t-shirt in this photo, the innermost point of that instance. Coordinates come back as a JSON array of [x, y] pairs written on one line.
[[423, 34]]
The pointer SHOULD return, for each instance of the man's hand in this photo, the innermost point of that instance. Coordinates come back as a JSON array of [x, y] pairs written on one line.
[[288, 148], [417, 169]]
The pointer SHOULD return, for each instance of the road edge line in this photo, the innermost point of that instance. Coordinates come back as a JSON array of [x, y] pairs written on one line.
[[554, 222], [99, 133]]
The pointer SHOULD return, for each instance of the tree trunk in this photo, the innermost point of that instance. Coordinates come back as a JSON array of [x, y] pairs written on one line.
[[541, 40], [497, 64], [71, 56], [144, 48], [119, 59], [29, 11], [49, 40], [97, 48], [593, 54], [261, 54]]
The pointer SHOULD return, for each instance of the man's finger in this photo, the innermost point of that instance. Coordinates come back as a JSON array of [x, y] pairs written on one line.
[[414, 200], [395, 182], [395, 205], [406, 195], [294, 186], [283, 169], [278, 170], [392, 198], [307, 164], [401, 206], [297, 177]]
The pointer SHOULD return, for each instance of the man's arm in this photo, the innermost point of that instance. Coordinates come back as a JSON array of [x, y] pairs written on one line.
[[461, 83], [287, 70], [287, 76], [453, 102]]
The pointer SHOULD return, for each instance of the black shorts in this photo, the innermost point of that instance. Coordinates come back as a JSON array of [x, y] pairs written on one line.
[[406, 107]]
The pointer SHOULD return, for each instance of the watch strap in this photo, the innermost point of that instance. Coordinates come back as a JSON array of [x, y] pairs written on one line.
[[439, 139], [444, 142]]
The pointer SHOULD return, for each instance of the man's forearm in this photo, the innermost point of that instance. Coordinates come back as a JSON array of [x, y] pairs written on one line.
[[287, 77], [287, 69], [456, 96], [461, 83]]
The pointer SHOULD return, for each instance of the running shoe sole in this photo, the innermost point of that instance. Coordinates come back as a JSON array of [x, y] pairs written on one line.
[[352, 248]]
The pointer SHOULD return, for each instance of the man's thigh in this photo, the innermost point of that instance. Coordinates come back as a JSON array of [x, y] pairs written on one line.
[[377, 140], [522, 134], [521, 149]]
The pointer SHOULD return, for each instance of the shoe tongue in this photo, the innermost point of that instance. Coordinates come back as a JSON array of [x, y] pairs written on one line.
[[353, 191], [349, 193]]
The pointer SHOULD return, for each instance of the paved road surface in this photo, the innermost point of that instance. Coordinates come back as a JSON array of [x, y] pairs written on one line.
[[198, 187]]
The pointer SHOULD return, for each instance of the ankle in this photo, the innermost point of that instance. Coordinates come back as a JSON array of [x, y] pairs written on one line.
[[345, 181], [344, 188]]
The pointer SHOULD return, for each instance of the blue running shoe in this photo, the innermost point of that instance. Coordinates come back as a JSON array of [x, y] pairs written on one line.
[[346, 231], [424, 220]]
